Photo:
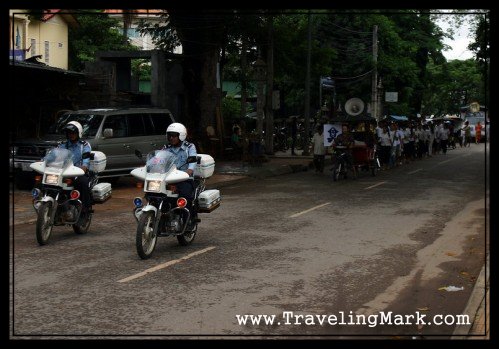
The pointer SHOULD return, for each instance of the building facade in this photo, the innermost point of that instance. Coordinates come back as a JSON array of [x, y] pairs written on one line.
[[41, 36]]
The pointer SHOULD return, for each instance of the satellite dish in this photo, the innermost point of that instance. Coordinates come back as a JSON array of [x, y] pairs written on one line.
[[354, 106]]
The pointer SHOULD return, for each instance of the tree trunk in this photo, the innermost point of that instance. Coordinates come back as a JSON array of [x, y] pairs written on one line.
[[201, 54], [269, 113]]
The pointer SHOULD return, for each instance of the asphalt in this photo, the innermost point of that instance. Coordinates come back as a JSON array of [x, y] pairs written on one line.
[[229, 173]]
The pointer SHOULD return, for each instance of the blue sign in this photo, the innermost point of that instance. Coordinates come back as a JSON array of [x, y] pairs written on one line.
[[331, 131], [327, 83], [17, 55]]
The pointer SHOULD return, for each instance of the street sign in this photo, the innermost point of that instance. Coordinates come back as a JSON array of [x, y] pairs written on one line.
[[391, 97], [327, 83]]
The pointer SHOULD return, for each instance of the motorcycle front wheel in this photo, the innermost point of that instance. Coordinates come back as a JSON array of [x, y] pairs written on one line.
[[43, 224], [145, 240], [375, 167]]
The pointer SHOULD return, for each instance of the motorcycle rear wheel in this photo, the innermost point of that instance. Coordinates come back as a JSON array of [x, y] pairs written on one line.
[[336, 172], [188, 237], [81, 227], [43, 225], [146, 238]]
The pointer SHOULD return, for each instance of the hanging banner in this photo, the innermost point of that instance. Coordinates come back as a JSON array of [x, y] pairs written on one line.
[[331, 131]]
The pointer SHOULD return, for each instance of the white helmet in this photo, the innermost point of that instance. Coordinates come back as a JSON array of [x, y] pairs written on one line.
[[178, 128], [74, 126]]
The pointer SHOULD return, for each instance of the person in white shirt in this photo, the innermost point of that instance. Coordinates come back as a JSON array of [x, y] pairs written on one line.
[[444, 136], [400, 135], [431, 130], [379, 131], [319, 149], [385, 148]]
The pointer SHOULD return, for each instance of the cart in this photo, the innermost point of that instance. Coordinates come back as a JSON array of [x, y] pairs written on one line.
[[366, 158], [364, 151]]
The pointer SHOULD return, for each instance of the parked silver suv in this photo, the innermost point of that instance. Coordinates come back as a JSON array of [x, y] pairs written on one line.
[[115, 132]]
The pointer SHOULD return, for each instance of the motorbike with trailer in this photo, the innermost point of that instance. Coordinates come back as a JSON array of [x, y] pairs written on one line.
[[55, 199], [363, 158], [164, 212]]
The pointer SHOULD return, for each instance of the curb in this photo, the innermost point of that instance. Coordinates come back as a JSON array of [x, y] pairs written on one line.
[[473, 307]]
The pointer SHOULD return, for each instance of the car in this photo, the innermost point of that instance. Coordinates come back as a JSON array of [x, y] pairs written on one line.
[[117, 132]]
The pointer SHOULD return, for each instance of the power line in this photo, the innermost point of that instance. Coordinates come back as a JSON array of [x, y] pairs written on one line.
[[351, 78]]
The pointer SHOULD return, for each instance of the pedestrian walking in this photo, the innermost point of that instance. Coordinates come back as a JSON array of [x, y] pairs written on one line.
[[478, 132], [319, 149]]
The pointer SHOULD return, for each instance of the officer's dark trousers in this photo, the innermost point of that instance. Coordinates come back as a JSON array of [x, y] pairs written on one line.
[[186, 189], [81, 184]]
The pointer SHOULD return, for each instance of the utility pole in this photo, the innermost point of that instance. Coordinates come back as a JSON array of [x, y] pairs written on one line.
[[374, 94], [307, 87]]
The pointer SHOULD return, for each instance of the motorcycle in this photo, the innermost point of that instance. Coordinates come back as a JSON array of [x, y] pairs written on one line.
[[165, 213], [339, 163], [55, 200], [280, 139]]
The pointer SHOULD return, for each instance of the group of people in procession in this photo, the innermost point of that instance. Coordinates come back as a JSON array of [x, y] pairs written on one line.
[[396, 142]]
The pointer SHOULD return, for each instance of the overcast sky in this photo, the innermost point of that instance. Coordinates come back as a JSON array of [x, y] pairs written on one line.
[[460, 43]]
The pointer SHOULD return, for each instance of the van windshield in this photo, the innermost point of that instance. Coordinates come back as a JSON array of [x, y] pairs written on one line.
[[89, 122]]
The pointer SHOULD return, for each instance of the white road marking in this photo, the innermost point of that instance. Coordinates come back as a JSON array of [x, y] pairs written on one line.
[[412, 172], [310, 209], [375, 185], [167, 264], [443, 162]]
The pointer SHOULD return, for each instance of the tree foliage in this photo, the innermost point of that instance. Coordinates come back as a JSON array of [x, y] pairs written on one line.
[[452, 85], [96, 32], [409, 60]]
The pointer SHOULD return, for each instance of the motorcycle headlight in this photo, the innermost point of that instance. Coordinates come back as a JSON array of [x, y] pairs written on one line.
[[51, 179], [153, 185]]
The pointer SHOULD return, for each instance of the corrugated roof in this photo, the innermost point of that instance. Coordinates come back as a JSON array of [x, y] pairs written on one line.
[[68, 17]]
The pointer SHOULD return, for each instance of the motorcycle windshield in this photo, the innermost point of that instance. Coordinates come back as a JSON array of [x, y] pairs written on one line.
[[160, 161], [58, 158]]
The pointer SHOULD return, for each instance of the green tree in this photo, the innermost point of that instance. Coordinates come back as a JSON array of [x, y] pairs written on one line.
[[96, 32], [453, 85], [231, 109]]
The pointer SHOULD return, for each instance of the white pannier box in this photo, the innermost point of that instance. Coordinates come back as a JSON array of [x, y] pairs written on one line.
[[98, 164], [101, 192], [209, 200], [206, 168]]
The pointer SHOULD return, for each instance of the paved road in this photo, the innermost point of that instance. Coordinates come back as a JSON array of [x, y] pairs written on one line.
[[296, 242]]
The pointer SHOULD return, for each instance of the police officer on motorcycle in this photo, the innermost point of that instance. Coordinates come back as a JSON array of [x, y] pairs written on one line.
[[176, 134], [81, 158]]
